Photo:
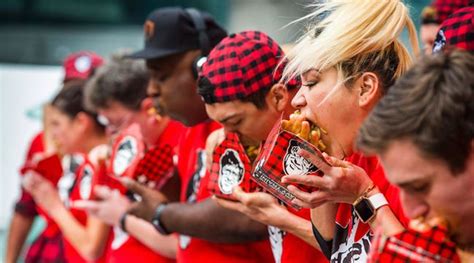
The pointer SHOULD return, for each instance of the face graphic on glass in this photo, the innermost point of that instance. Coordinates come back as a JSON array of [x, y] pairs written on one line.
[[294, 164], [231, 171]]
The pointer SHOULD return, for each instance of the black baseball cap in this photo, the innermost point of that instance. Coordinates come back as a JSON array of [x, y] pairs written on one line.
[[171, 30]]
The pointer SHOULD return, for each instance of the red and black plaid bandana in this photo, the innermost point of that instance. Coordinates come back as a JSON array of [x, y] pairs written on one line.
[[444, 8], [412, 246], [279, 157], [156, 167], [230, 167], [240, 65], [457, 31]]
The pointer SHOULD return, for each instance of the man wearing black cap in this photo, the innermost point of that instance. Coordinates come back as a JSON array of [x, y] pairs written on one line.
[[176, 43]]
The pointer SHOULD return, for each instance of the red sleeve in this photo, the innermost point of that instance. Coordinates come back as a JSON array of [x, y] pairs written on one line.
[[374, 169], [391, 192], [25, 204], [36, 146]]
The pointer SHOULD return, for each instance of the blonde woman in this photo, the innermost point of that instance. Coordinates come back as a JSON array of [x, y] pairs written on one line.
[[348, 58]]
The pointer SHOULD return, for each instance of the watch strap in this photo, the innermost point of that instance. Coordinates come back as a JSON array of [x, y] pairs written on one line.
[[378, 200]]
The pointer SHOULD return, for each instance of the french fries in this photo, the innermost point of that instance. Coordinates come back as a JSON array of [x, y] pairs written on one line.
[[252, 152], [297, 124]]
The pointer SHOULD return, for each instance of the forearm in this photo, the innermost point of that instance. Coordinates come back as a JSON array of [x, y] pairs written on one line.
[[207, 220], [301, 228], [19, 228], [88, 240], [144, 232], [324, 219]]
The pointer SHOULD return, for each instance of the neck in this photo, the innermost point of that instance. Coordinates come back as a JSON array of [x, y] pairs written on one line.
[[92, 141]]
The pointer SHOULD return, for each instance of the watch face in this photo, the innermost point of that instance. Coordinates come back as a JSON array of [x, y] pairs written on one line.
[[364, 210]]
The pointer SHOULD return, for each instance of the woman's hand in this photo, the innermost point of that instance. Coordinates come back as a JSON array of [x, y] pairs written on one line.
[[43, 192], [109, 209], [342, 182]]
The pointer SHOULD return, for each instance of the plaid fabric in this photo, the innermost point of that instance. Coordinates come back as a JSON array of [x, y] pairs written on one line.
[[230, 156], [444, 8], [457, 31], [239, 66], [156, 167], [46, 250], [278, 158], [413, 246], [81, 65]]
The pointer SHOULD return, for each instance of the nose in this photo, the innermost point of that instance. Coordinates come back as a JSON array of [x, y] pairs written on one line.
[[299, 100], [413, 205]]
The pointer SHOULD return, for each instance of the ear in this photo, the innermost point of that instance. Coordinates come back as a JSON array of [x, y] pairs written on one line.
[[369, 90], [83, 122], [278, 97]]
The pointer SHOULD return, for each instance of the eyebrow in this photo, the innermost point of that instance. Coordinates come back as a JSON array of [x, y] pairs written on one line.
[[410, 183], [228, 118]]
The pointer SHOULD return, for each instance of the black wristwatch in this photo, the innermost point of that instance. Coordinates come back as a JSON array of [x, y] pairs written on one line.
[[156, 220]]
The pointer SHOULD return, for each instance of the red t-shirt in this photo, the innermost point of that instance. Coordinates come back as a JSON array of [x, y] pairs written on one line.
[[194, 178], [352, 239], [289, 248], [125, 248], [81, 190]]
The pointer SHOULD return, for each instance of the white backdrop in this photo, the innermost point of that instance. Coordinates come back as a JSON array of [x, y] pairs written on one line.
[[22, 88]]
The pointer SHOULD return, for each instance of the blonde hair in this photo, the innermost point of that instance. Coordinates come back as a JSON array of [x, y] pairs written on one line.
[[355, 36]]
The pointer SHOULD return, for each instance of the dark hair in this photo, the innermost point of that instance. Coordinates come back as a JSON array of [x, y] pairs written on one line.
[[205, 88], [432, 106], [69, 100], [120, 79], [384, 66]]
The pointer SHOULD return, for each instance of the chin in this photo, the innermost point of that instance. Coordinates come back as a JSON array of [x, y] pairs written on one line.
[[463, 238]]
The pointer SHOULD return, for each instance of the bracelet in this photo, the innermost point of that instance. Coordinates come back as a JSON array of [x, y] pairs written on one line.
[[156, 221], [365, 193], [122, 222]]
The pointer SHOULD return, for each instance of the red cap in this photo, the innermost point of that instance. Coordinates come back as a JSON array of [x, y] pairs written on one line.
[[457, 31], [80, 65], [444, 8], [241, 65]]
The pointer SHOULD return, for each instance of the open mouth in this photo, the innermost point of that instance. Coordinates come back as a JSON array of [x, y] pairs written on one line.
[[305, 129]]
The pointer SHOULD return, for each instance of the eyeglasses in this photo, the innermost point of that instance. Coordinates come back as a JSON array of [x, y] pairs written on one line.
[[115, 126]]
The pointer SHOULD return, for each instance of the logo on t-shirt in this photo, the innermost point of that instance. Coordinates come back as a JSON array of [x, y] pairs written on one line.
[[193, 188], [293, 163], [126, 153], [276, 236], [351, 241], [231, 172], [85, 186], [120, 237]]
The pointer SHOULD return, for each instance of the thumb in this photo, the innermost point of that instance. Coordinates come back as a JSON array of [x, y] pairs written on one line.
[[133, 186]]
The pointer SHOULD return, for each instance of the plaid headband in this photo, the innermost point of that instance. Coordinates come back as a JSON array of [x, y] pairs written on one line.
[[241, 65], [457, 31]]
